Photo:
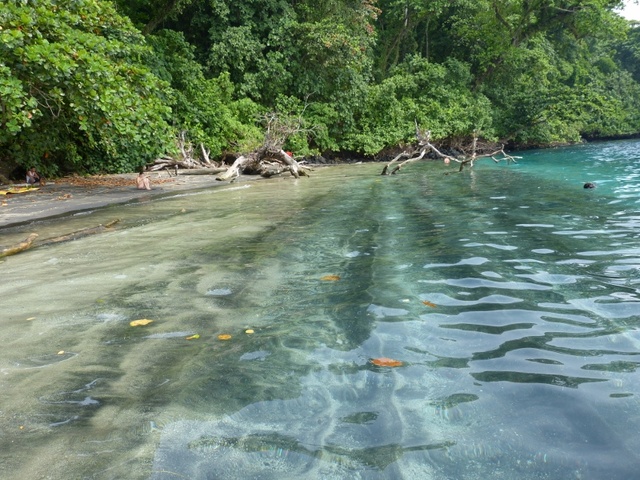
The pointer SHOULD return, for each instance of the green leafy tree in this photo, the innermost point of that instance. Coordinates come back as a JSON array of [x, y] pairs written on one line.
[[76, 94], [556, 85], [436, 96], [408, 27], [202, 107], [628, 51], [149, 15], [81, 89]]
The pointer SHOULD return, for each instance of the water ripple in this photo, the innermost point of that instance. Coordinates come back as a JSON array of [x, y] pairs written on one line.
[[471, 282]]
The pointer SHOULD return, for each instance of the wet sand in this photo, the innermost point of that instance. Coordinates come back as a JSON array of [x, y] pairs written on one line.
[[71, 195]]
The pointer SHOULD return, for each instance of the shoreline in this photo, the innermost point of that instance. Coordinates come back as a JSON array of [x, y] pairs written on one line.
[[75, 194]]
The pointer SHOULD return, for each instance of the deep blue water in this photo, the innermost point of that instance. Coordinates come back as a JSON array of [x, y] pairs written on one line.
[[509, 293]]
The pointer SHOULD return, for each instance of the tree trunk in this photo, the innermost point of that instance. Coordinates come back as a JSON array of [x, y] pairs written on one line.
[[22, 246], [29, 241], [203, 171], [236, 169], [425, 146], [266, 162]]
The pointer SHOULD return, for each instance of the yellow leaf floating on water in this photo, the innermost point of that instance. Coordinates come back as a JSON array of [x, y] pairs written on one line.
[[61, 352], [141, 322], [224, 336], [429, 304], [331, 278], [249, 331], [30, 318], [193, 337]]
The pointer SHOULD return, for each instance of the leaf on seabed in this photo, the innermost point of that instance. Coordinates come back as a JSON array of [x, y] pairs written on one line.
[[331, 278], [61, 352], [141, 322], [30, 318], [386, 362], [194, 337], [249, 331], [224, 336], [429, 304]]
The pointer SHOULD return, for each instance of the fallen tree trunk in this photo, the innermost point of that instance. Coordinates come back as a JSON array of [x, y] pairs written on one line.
[[277, 161], [174, 164], [204, 171], [21, 247], [185, 159], [85, 232], [266, 162], [29, 241], [425, 147], [236, 169]]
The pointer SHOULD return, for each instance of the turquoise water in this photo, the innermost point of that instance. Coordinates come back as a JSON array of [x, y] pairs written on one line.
[[522, 363]]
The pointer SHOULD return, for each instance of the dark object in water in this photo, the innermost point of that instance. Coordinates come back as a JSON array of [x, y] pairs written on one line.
[[589, 185]]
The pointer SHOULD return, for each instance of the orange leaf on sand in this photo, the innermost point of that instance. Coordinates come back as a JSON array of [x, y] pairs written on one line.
[[141, 322], [331, 278], [386, 362], [429, 304], [224, 336]]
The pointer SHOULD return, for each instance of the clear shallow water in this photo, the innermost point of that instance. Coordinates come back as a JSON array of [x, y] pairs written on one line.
[[525, 368]]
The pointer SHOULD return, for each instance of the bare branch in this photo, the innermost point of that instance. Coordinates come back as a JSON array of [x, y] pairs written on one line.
[[425, 146]]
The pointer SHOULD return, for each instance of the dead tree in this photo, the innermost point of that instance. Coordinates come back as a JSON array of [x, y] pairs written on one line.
[[185, 159], [424, 147], [270, 158]]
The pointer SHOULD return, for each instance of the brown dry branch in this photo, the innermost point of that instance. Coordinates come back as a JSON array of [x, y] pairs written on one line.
[[184, 160], [270, 159], [424, 147]]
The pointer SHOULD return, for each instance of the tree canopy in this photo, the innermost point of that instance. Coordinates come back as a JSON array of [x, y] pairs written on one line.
[[107, 86]]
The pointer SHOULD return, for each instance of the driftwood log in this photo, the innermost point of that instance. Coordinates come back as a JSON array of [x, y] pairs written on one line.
[[204, 171], [271, 159], [425, 147], [20, 247], [85, 232], [30, 240], [266, 162], [185, 160]]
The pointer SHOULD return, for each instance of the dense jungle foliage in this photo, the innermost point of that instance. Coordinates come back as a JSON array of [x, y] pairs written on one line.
[[107, 86]]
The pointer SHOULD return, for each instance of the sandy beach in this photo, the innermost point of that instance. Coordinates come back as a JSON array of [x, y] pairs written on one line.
[[75, 194]]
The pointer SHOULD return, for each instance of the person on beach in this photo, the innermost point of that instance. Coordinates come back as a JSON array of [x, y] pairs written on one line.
[[142, 181], [33, 178]]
